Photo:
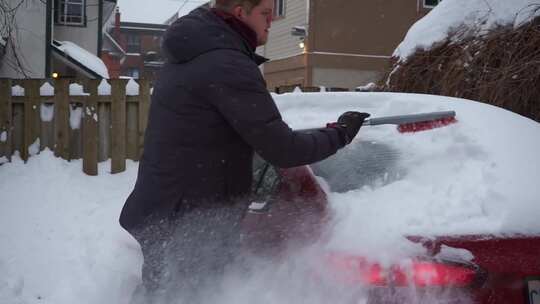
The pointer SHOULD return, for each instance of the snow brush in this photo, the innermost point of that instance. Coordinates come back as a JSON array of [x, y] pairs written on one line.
[[415, 122]]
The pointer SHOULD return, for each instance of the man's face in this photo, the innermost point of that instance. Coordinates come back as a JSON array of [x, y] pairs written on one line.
[[259, 19]]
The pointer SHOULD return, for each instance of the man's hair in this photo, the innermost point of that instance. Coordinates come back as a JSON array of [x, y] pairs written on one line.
[[228, 5]]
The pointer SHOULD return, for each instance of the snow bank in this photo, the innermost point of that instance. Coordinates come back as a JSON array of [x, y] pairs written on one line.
[[61, 241], [477, 15]]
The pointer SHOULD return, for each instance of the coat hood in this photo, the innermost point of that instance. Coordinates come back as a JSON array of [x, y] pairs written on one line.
[[199, 32]]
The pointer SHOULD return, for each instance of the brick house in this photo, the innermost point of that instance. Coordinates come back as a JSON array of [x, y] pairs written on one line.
[[133, 49]]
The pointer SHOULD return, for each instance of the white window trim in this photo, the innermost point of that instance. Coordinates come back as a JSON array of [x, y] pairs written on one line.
[[276, 8], [430, 6], [64, 13]]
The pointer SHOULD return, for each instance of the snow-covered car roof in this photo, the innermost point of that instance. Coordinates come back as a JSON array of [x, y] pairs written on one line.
[[477, 176]]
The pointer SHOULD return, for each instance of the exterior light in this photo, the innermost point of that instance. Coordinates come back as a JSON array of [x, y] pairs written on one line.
[[302, 44], [55, 75]]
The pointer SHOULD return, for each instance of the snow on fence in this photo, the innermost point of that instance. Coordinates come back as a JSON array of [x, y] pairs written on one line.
[[89, 119], [76, 119]]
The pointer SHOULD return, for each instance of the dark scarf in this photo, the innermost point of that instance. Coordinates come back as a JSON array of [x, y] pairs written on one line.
[[238, 26]]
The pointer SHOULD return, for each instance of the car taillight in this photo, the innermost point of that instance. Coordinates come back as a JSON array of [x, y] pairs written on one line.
[[419, 273]]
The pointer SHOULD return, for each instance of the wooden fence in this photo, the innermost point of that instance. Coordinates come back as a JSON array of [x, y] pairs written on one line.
[[87, 125]]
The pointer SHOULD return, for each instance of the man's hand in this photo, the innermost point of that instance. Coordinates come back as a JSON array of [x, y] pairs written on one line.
[[351, 122]]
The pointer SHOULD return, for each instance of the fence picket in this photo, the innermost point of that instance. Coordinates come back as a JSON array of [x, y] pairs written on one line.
[[132, 132], [17, 135], [32, 120], [144, 108], [90, 127], [5, 119], [61, 118], [112, 126], [118, 132], [47, 127]]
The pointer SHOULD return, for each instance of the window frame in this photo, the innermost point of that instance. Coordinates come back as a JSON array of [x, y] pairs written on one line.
[[61, 16], [131, 71], [279, 9], [130, 39], [430, 6]]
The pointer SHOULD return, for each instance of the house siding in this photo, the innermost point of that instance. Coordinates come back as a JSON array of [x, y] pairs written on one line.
[[281, 43], [29, 43], [349, 43], [85, 37], [372, 27], [343, 78]]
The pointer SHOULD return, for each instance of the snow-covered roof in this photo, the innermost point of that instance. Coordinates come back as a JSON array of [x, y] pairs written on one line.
[[479, 15], [85, 60]]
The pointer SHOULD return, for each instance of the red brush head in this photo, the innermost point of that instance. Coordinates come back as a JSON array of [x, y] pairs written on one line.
[[425, 125]]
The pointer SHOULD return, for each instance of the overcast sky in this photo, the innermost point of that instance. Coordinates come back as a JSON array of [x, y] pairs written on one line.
[[155, 11]]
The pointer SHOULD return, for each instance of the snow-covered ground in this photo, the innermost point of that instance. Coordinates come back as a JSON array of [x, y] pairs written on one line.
[[61, 242], [479, 16]]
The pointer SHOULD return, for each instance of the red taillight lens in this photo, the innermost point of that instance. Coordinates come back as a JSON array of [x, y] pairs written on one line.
[[419, 273], [436, 274]]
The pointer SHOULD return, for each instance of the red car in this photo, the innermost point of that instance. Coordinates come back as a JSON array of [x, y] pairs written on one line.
[[292, 205]]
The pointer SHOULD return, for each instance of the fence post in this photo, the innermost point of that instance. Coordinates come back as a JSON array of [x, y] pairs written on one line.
[[118, 132], [90, 127], [32, 119], [336, 89], [144, 108], [310, 89], [5, 118], [61, 118]]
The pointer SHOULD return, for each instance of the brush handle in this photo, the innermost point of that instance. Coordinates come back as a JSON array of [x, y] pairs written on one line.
[[412, 118]]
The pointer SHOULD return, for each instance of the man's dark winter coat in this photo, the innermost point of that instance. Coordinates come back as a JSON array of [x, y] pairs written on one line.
[[210, 111]]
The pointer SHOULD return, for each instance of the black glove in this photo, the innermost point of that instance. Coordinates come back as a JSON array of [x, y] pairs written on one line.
[[351, 122]]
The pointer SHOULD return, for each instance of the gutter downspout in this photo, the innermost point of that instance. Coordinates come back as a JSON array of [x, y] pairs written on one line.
[[309, 44], [100, 28], [48, 37]]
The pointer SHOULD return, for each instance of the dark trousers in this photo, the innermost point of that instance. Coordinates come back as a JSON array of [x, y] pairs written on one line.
[[186, 253]]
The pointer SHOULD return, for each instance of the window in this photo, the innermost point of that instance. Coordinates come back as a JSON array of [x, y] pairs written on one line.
[[133, 72], [133, 44], [70, 12], [279, 8], [431, 3]]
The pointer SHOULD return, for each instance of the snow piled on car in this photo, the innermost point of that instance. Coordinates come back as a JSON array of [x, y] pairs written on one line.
[[477, 176]]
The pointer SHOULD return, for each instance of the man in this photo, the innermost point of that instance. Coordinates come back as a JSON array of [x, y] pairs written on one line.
[[210, 112]]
